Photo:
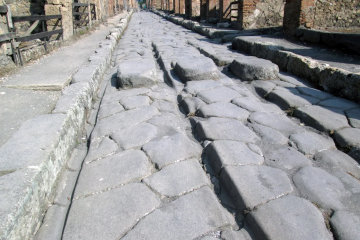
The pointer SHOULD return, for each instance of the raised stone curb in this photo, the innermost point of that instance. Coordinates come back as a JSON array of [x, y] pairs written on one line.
[[29, 188]]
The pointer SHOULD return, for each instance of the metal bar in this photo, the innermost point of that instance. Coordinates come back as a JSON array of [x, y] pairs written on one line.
[[35, 17], [39, 35]]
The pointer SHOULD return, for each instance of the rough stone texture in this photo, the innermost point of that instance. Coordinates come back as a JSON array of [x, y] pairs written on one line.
[[137, 73], [345, 225], [170, 149], [190, 105], [255, 185], [286, 158], [313, 92], [252, 68], [112, 171], [323, 119], [263, 87], [286, 218], [193, 69], [236, 235], [224, 129], [254, 105], [311, 143], [269, 135], [178, 178], [101, 148], [224, 110], [321, 187], [110, 214], [222, 153], [109, 109], [349, 138], [135, 136], [135, 102], [339, 103], [354, 117], [53, 223], [220, 94], [188, 217]]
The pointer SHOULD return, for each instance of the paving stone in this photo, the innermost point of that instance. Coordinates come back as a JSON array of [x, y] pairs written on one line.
[[313, 92], [196, 68], [123, 120], [254, 105], [263, 87], [137, 73], [286, 218], [224, 110], [170, 149], [163, 93], [290, 98], [109, 109], [123, 93], [224, 129], [321, 187], [100, 149], [349, 138], [321, 118], [345, 225], [53, 223], [194, 87], [339, 103], [354, 117], [251, 186], [111, 214], [242, 234], [165, 106], [178, 178], [269, 135], [135, 102], [189, 105], [276, 121], [253, 68], [311, 142], [112, 171], [286, 158], [334, 159], [188, 217], [222, 153], [169, 123], [220, 94], [287, 77], [135, 136]]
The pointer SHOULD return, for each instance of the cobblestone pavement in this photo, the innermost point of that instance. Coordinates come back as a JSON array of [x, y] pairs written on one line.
[[201, 155]]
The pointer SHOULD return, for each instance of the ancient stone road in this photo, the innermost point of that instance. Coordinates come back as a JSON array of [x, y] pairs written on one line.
[[188, 151]]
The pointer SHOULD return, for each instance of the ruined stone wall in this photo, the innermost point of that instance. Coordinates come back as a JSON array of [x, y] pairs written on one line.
[[332, 15], [262, 13]]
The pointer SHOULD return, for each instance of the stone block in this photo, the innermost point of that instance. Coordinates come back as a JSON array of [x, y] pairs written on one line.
[[194, 69], [310, 143], [252, 68], [137, 73], [224, 110]]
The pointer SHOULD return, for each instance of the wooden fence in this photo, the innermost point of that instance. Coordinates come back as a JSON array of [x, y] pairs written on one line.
[[83, 14]]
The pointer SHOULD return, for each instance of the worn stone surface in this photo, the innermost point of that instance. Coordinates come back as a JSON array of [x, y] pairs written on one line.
[[190, 105], [220, 94], [110, 214], [170, 149], [313, 92], [254, 105], [193, 69], [242, 234], [354, 117], [178, 178], [252, 68], [345, 225], [268, 134], [101, 148], [224, 110], [109, 109], [348, 138], [339, 103], [112, 171], [190, 216], [288, 217], [311, 142], [135, 102], [321, 187], [224, 129], [263, 87], [194, 87], [255, 185], [222, 153]]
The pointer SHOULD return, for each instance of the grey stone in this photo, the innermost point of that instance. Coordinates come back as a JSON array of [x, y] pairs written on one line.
[[109, 109], [170, 149], [192, 69], [101, 148], [178, 178], [252, 68], [286, 77], [135, 136], [286, 158], [348, 137], [164, 93], [111, 214], [242, 234], [354, 117], [286, 218], [311, 142], [321, 118], [194, 87], [321, 187], [112, 171], [224, 129], [65, 188], [269, 135], [263, 87], [53, 223], [278, 122], [188, 217], [220, 94], [334, 159], [345, 225], [169, 123], [123, 93], [166, 106], [77, 157], [254, 105], [189, 105], [135, 102], [123, 120], [290, 98], [251, 186], [222, 153], [339, 103], [137, 73], [313, 92], [224, 110]]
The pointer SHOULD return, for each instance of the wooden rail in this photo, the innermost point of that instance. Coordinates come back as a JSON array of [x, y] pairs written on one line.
[[83, 14]]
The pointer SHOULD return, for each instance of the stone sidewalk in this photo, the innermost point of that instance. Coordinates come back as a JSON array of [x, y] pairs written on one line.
[[183, 148]]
